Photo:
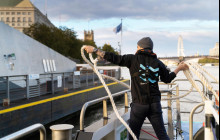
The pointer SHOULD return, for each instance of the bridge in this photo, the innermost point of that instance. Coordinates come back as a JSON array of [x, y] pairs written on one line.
[[181, 55]]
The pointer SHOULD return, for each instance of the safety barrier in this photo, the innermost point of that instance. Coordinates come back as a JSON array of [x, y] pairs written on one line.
[[105, 112], [19, 87], [26, 131]]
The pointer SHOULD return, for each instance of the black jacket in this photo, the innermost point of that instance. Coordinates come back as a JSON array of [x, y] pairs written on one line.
[[132, 62]]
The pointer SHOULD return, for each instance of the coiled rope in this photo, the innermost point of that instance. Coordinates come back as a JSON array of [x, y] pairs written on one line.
[[179, 97]]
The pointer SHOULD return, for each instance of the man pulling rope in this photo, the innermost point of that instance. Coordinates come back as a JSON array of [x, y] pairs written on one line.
[[145, 70]]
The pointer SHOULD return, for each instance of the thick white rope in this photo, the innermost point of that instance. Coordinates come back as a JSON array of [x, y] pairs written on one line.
[[189, 77], [203, 79], [193, 67], [109, 93], [105, 76], [113, 79], [179, 97], [204, 70]]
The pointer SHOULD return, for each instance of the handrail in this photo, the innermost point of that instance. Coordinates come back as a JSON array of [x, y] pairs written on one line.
[[191, 120], [46, 82], [209, 110], [93, 102], [48, 73], [172, 88], [26, 131], [203, 86]]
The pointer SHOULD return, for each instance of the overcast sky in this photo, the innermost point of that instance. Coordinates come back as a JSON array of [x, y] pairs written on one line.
[[163, 20]]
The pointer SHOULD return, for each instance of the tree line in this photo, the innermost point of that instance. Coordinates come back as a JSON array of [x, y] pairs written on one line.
[[209, 60], [63, 40]]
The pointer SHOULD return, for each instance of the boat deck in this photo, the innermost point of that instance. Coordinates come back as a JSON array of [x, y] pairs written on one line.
[[101, 129], [148, 128]]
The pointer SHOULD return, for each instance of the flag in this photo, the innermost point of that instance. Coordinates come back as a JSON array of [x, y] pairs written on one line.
[[118, 28]]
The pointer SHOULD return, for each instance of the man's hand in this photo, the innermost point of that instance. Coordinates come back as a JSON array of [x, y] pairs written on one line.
[[89, 49], [182, 66]]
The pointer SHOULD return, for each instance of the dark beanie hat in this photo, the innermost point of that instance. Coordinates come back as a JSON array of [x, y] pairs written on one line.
[[146, 43]]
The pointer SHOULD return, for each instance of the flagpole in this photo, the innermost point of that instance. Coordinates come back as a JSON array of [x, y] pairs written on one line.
[[121, 47], [121, 36]]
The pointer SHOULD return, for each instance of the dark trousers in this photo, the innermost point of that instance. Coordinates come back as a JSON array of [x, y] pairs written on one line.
[[154, 113]]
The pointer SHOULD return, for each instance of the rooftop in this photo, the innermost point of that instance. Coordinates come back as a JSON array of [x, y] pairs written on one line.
[[16, 3]]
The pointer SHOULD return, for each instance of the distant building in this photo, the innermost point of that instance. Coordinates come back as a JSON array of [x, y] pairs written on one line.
[[21, 14], [215, 51], [197, 54], [89, 35]]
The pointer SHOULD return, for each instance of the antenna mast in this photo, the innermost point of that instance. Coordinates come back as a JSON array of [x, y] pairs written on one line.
[[45, 8]]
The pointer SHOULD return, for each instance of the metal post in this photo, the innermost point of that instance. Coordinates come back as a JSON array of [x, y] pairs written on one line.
[[210, 95], [79, 80], [87, 79], [62, 132], [126, 102], [38, 81], [105, 112], [170, 117], [93, 75], [191, 120], [208, 116], [64, 80], [52, 83], [178, 109], [8, 88], [73, 79], [27, 86]]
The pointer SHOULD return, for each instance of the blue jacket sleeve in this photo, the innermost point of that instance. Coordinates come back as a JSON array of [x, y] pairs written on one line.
[[165, 75], [120, 60]]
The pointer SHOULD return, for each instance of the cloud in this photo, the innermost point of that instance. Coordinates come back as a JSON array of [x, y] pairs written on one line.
[[165, 42], [148, 9], [163, 20]]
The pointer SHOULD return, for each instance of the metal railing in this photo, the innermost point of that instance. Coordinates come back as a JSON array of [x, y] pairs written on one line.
[[211, 120], [104, 100], [210, 112], [169, 93], [20, 87], [204, 90], [26, 131], [171, 87]]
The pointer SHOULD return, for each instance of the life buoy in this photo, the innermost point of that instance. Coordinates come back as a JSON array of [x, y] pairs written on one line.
[[217, 103]]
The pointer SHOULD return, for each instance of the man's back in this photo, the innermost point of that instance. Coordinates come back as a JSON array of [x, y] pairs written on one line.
[[138, 65]]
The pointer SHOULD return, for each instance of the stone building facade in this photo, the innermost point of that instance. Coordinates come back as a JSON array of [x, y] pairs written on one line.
[[21, 14], [215, 51], [89, 35]]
